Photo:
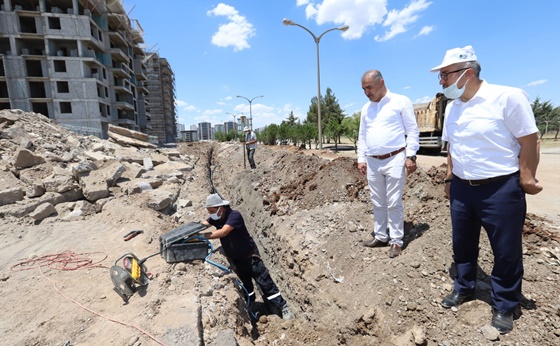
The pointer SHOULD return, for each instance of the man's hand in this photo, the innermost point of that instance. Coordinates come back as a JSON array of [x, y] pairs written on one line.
[[530, 186], [362, 168], [410, 166]]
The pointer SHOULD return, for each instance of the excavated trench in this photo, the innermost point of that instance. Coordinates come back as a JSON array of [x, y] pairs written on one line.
[[308, 216]]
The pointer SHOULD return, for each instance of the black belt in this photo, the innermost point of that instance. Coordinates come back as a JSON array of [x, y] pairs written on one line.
[[487, 180], [386, 156]]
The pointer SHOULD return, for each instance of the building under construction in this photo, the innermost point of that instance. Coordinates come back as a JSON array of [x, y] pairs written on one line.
[[78, 62], [161, 98]]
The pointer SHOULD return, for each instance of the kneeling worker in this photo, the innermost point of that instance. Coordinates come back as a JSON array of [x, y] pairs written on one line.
[[241, 250]]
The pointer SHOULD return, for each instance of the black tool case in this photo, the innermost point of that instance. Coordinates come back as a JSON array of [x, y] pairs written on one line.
[[174, 246]]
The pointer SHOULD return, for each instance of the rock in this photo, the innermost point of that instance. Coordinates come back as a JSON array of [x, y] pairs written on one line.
[[490, 333], [42, 211], [25, 159], [224, 338], [10, 196]]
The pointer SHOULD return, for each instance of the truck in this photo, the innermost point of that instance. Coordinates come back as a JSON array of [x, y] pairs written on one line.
[[429, 117]]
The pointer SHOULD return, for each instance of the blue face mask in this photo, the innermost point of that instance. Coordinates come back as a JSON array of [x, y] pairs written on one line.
[[452, 91]]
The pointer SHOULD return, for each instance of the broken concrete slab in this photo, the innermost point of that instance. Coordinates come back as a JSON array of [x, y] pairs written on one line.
[[24, 158], [10, 196]]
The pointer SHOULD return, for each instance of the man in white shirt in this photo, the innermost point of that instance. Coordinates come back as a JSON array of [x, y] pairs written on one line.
[[251, 145], [387, 145], [492, 163]]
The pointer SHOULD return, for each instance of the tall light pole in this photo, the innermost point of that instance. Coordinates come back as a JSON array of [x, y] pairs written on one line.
[[235, 122], [250, 110], [287, 21]]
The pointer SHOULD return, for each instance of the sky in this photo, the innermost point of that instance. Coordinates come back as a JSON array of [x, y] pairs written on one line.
[[221, 50]]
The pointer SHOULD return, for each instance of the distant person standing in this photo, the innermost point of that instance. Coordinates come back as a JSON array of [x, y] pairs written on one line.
[[387, 145], [491, 165], [251, 145]]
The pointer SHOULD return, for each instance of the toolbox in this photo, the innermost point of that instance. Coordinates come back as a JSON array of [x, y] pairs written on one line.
[[175, 245]]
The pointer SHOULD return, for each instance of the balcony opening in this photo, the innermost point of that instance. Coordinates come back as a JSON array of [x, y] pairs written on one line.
[[62, 87], [66, 107], [41, 107], [34, 68], [59, 66], [54, 23], [37, 90], [27, 25]]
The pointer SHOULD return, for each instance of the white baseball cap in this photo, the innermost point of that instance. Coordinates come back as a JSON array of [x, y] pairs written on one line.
[[214, 200], [246, 128], [456, 55]]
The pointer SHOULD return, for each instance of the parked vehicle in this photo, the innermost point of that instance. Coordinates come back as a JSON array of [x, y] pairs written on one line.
[[429, 117]]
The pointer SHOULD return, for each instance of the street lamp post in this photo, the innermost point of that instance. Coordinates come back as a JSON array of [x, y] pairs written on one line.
[[287, 21], [250, 109], [235, 122]]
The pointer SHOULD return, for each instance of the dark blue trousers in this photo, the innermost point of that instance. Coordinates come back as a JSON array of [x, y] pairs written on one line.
[[500, 208]]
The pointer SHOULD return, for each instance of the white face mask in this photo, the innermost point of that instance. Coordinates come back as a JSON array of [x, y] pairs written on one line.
[[215, 216], [452, 91]]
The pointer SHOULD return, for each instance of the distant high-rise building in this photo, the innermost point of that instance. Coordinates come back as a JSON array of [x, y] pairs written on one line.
[[219, 128], [205, 131], [161, 98]]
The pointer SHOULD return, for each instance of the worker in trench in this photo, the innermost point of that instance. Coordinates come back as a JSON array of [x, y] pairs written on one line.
[[242, 252]]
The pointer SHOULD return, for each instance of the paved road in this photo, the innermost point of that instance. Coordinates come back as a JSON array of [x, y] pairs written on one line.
[[545, 203]]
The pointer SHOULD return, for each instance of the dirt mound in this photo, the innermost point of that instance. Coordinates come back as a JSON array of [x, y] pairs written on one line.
[[307, 212]]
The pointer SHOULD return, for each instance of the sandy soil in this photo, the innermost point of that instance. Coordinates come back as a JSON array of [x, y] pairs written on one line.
[[308, 211]]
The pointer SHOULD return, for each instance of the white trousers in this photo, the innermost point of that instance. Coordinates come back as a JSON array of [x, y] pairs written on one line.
[[386, 182]]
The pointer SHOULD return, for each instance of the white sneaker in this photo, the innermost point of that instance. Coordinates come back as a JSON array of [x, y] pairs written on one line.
[[286, 313]]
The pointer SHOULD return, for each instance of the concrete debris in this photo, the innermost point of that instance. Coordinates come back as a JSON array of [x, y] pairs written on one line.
[[51, 165]]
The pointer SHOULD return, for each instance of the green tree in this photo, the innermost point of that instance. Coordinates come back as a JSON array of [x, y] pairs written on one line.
[[308, 134], [269, 134], [333, 116], [545, 115], [351, 128], [330, 109], [220, 136]]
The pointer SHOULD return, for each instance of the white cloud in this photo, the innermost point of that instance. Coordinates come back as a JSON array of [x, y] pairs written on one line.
[[184, 106], [424, 99], [426, 30], [398, 21], [537, 82], [236, 32], [362, 15], [212, 111], [228, 98], [358, 14], [406, 87]]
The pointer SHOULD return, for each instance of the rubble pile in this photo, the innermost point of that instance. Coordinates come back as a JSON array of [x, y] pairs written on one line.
[[47, 170]]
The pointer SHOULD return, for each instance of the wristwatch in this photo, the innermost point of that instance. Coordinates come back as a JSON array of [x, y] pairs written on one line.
[[413, 158]]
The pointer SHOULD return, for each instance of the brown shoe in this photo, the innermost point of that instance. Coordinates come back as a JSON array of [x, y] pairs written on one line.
[[374, 242], [394, 251]]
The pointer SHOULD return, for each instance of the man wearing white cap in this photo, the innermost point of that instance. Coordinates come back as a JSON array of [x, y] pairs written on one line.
[[240, 248], [387, 145], [251, 145], [492, 162]]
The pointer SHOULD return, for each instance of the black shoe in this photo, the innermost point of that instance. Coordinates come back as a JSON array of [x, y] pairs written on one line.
[[374, 242], [502, 321], [455, 299]]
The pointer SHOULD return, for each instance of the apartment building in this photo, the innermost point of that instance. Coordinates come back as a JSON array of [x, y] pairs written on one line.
[[205, 131], [78, 62], [161, 98]]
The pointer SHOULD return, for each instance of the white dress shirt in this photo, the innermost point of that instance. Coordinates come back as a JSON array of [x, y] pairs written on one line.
[[483, 131], [384, 124]]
